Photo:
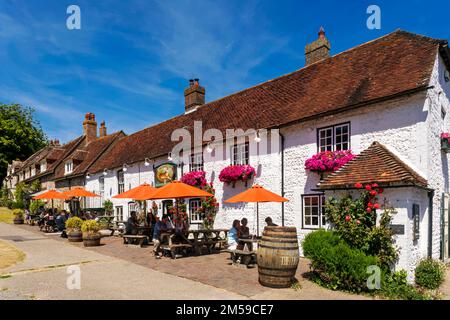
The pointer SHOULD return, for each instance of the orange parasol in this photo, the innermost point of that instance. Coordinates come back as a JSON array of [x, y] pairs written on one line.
[[79, 192], [256, 194], [177, 189], [141, 192], [50, 195]]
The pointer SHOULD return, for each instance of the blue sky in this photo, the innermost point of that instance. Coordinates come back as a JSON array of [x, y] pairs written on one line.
[[131, 60]]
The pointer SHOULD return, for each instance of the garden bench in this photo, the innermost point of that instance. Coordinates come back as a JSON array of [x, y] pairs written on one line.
[[246, 257], [133, 239], [174, 248]]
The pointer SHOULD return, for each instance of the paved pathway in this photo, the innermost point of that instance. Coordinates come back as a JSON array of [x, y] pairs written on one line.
[[43, 274]]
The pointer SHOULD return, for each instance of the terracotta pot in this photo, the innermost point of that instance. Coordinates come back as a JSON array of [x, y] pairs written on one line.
[[75, 236], [18, 220], [91, 239]]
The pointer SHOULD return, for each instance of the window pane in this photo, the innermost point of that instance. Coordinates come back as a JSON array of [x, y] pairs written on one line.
[[315, 221], [307, 221]]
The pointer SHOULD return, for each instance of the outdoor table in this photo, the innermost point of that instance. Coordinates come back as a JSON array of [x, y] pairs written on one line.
[[209, 238], [250, 243]]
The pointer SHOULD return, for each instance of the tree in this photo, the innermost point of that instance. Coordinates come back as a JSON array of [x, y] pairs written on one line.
[[20, 135]]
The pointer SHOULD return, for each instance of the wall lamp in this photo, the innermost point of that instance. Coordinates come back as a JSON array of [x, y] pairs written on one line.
[[125, 167]]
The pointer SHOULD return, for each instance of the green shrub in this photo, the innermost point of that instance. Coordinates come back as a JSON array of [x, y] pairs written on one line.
[[74, 223], [395, 286], [35, 205], [430, 273], [18, 213], [336, 264], [90, 226]]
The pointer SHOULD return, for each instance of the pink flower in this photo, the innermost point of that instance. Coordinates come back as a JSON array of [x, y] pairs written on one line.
[[368, 187], [376, 206], [358, 185], [238, 172], [347, 218], [358, 222], [328, 160], [194, 178]]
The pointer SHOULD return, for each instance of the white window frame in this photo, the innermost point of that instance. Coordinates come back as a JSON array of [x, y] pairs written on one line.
[[33, 171], [196, 162], [120, 182], [68, 167], [194, 216], [326, 138], [240, 154], [43, 166], [118, 213], [101, 186], [320, 211]]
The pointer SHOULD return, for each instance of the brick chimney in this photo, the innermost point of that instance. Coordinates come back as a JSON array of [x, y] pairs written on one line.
[[90, 127], [318, 50], [194, 96], [102, 130]]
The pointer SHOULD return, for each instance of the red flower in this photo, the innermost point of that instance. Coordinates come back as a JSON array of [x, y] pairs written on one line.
[[358, 185], [369, 210], [370, 205], [374, 185], [368, 187], [380, 190], [376, 206], [347, 218], [373, 193]]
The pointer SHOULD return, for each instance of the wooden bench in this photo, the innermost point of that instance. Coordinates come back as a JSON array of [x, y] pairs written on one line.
[[246, 257], [133, 239], [173, 248]]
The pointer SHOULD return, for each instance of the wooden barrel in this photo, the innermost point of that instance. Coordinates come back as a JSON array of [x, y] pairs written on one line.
[[278, 257]]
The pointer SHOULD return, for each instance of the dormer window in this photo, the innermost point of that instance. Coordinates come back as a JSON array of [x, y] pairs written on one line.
[[69, 167], [43, 166]]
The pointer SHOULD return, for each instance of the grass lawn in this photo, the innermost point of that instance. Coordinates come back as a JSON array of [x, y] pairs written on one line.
[[6, 215], [10, 255]]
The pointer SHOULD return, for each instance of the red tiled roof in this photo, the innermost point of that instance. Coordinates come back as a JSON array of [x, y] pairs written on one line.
[[397, 63], [375, 164], [87, 154]]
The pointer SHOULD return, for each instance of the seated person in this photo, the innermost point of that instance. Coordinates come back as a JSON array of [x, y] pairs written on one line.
[[160, 226], [270, 223], [181, 227], [132, 224], [233, 235], [61, 221], [244, 233]]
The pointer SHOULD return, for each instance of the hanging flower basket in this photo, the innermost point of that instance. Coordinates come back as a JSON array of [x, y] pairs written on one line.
[[328, 161], [194, 178], [234, 173], [445, 141]]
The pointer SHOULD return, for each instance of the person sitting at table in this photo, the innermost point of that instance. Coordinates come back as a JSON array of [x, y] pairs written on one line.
[[270, 223], [244, 233], [233, 235], [160, 226], [132, 224]]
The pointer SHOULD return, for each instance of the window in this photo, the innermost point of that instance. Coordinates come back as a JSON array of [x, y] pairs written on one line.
[[132, 206], [101, 186], [194, 205], [240, 154], [43, 166], [313, 216], [33, 171], [69, 167], [120, 182], [119, 213], [334, 138], [196, 163]]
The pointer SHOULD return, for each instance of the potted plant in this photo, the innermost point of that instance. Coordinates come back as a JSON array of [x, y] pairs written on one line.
[[73, 226], [445, 141], [194, 178], [328, 161], [18, 216], [91, 234], [233, 173]]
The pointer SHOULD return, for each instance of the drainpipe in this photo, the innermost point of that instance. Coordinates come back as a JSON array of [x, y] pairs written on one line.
[[282, 178], [430, 223]]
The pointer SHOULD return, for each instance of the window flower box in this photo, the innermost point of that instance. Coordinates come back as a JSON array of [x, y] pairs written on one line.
[[194, 178], [234, 173], [445, 141], [328, 161]]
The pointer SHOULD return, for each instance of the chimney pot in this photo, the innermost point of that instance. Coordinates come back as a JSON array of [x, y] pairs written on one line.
[[194, 95], [317, 50], [90, 127], [102, 130]]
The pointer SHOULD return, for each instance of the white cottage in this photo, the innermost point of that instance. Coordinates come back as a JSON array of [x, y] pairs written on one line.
[[390, 94]]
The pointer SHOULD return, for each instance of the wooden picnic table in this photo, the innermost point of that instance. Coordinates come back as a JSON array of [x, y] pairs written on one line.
[[196, 239], [249, 243]]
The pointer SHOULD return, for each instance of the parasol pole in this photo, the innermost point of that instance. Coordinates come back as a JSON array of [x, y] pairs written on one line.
[[257, 219]]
